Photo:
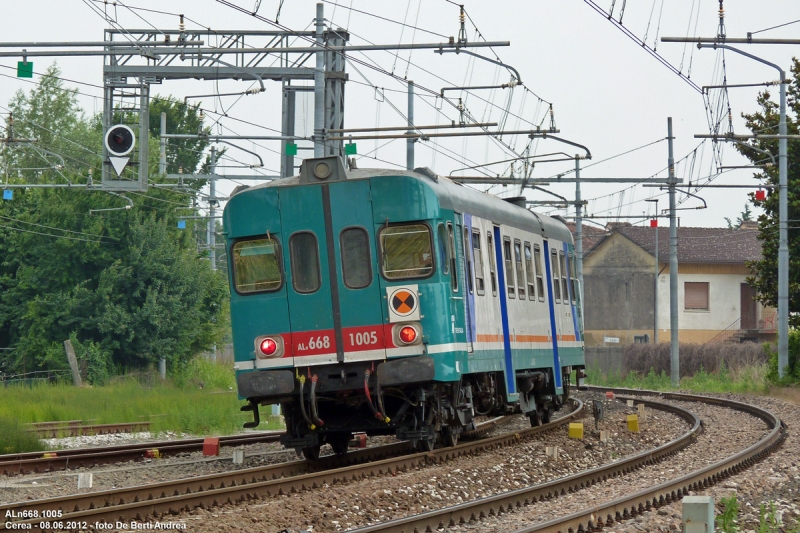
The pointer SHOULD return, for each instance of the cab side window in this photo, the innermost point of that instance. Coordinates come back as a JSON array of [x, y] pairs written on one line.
[[356, 264], [304, 258]]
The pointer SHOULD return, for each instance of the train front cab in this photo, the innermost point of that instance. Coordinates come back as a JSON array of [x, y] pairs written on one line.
[[331, 279]]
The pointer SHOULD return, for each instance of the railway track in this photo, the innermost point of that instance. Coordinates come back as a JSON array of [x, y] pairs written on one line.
[[155, 500], [76, 428], [25, 463], [597, 516]]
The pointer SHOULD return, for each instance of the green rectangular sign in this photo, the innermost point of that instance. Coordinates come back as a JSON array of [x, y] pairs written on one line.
[[350, 149], [24, 69], [291, 149]]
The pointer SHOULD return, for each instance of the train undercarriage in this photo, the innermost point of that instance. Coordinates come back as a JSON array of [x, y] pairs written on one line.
[[331, 403]]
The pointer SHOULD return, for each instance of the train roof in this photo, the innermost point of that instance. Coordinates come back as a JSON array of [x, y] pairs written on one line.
[[456, 197]]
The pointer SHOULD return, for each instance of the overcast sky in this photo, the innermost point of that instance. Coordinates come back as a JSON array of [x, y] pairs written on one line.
[[607, 93]]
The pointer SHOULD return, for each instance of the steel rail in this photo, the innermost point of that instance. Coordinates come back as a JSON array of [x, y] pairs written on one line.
[[239, 477], [632, 505], [598, 516], [493, 505], [24, 463], [46, 430], [152, 501]]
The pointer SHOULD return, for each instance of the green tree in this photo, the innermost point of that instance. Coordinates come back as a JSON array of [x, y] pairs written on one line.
[[127, 286], [186, 154], [765, 270], [746, 216]]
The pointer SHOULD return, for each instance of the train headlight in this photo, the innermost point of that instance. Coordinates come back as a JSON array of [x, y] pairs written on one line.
[[407, 334], [322, 170], [269, 347]]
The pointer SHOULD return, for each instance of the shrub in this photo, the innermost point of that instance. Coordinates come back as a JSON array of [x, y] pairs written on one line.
[[792, 373], [14, 438]]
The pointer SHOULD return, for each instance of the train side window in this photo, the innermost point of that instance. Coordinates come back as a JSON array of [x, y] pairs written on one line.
[[490, 251], [573, 277], [478, 254], [356, 268], [556, 277], [304, 257], [256, 265], [509, 266], [518, 264], [537, 263], [563, 265], [407, 251], [468, 259], [529, 271], [444, 250], [451, 246]]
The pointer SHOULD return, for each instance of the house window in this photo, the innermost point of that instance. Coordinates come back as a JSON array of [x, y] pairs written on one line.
[[695, 295]]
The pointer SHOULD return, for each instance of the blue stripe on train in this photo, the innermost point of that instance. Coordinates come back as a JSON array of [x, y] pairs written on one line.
[[573, 297], [511, 384], [551, 306], [472, 321]]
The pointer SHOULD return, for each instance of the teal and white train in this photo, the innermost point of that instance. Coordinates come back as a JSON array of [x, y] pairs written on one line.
[[397, 302]]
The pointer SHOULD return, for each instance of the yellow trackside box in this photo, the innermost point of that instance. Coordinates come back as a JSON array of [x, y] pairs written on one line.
[[576, 431], [633, 423]]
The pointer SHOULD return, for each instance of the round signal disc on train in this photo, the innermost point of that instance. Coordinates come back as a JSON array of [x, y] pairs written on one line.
[[403, 302], [268, 347]]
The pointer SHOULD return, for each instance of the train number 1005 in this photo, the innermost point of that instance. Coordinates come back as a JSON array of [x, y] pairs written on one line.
[[363, 339]]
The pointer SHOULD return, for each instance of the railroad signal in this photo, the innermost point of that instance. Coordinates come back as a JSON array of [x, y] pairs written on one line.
[[120, 141]]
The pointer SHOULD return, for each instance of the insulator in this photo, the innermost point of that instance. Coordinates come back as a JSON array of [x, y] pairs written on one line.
[[181, 25]]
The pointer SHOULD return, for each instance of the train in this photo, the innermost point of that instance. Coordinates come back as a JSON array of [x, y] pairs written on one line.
[[394, 302]]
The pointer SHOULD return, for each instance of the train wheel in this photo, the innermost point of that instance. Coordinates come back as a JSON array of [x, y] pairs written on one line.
[[535, 418], [339, 443], [449, 437], [311, 453]]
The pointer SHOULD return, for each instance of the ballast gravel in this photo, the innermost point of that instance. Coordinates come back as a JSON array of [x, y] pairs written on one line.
[[348, 505]]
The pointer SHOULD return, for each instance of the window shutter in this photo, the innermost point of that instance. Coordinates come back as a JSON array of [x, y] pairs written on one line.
[[695, 295]]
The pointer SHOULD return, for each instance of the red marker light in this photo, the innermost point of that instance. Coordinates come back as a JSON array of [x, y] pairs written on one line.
[[407, 335], [761, 194], [268, 347]]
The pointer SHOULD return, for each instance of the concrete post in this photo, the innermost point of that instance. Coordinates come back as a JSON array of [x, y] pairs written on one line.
[[162, 155], [410, 142], [674, 359], [73, 363], [319, 87]]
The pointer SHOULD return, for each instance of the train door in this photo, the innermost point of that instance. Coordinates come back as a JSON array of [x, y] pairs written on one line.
[[553, 304], [466, 282], [308, 287], [361, 305]]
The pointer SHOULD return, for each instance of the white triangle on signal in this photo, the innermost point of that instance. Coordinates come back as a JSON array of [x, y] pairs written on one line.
[[119, 163]]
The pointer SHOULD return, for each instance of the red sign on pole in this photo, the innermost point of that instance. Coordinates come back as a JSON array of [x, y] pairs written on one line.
[[654, 223]]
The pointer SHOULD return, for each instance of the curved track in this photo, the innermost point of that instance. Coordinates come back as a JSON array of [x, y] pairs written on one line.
[[605, 514], [138, 503], [26, 463]]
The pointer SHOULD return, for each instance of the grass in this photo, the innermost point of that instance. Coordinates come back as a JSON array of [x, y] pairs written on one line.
[[747, 379], [200, 400], [14, 438]]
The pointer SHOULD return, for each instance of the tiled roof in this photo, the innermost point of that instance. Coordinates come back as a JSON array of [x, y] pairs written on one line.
[[696, 245], [591, 234]]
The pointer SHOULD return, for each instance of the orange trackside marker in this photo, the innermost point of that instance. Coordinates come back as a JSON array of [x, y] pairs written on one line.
[[211, 446]]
